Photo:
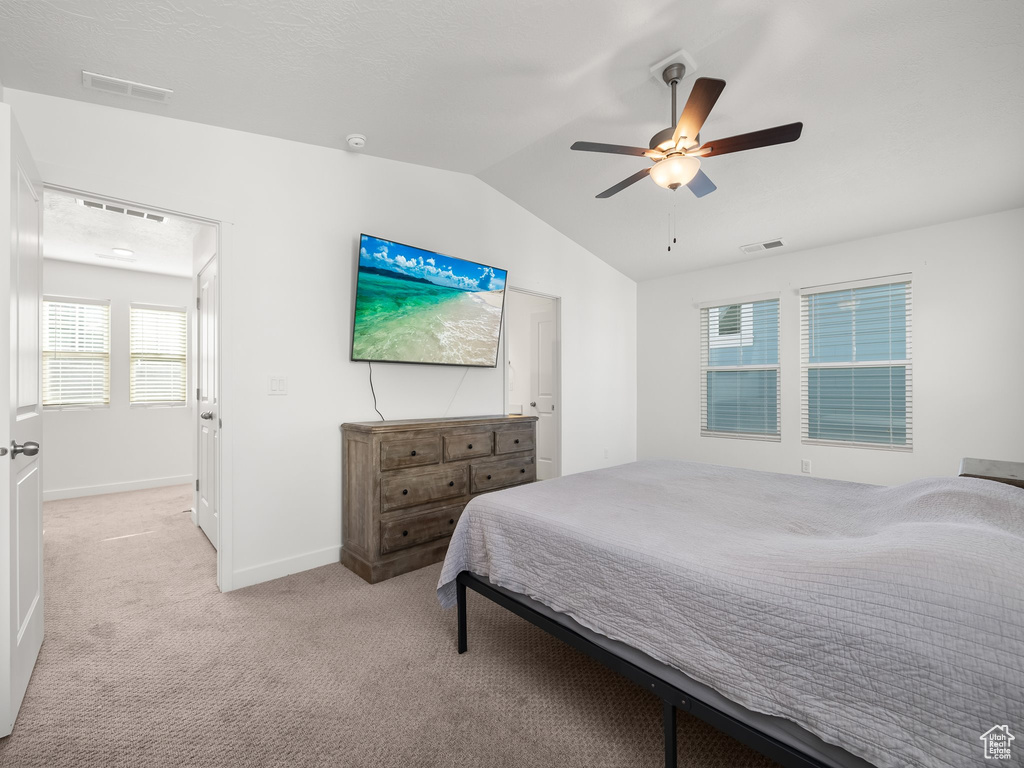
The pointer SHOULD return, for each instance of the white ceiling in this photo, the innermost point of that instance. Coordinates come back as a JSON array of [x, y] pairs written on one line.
[[912, 110], [73, 232]]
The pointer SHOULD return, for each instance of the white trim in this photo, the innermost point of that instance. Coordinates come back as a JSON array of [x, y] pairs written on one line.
[[158, 307], [866, 283], [743, 436], [99, 490], [75, 300], [851, 444], [277, 569], [225, 364], [740, 300]]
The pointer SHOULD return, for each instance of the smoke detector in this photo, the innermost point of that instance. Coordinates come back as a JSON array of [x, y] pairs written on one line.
[[356, 140]]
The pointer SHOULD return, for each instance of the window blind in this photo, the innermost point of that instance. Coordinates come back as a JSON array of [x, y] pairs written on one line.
[[159, 346], [76, 352], [739, 370], [856, 376]]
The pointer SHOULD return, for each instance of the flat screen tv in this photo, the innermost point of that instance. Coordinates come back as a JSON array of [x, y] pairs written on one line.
[[418, 306]]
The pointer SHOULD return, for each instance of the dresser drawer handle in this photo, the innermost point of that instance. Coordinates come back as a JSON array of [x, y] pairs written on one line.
[[405, 491], [405, 533], [488, 477], [413, 453], [469, 447], [522, 471], [452, 521], [451, 483], [517, 441]]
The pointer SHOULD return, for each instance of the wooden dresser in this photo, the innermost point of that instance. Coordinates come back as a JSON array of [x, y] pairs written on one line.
[[405, 483]]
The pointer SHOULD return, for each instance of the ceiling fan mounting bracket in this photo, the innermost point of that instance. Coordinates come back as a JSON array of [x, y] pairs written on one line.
[[673, 73], [679, 57]]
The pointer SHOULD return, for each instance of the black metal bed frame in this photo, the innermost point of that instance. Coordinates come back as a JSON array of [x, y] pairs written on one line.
[[672, 697]]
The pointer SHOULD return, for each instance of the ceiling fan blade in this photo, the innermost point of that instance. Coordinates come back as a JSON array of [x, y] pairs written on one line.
[[625, 183], [705, 93], [780, 134], [701, 185], [613, 149]]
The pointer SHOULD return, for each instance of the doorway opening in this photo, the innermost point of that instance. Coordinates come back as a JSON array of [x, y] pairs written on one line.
[[533, 371], [121, 370]]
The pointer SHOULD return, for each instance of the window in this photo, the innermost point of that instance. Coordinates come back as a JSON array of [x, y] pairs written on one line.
[[76, 352], [739, 370], [731, 325], [855, 364], [159, 344]]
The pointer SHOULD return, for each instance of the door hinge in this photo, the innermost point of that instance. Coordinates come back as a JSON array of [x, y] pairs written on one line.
[[197, 302], [197, 485]]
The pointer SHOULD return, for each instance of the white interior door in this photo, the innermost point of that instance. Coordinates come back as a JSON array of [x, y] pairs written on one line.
[[544, 378], [21, 503], [207, 471]]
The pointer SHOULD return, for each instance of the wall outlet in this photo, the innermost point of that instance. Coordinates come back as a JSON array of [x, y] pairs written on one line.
[[278, 385], [805, 466], [606, 453]]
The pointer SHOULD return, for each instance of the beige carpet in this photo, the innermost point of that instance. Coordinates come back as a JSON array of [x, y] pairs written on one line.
[[145, 663]]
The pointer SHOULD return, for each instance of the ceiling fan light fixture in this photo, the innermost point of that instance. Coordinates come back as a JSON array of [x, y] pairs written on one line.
[[673, 172]]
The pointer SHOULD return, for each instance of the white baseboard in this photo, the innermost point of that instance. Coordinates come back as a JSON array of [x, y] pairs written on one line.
[[246, 577], [97, 490]]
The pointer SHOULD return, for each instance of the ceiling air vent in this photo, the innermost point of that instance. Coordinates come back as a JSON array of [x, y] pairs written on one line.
[[127, 88], [119, 209], [767, 245]]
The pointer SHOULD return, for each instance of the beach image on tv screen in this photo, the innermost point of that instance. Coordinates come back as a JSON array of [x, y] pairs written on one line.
[[417, 306]]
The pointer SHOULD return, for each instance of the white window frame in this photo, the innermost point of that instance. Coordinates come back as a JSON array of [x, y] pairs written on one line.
[[188, 372], [710, 339], [47, 298], [806, 365]]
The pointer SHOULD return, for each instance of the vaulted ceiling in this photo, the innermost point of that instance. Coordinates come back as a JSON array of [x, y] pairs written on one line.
[[912, 110]]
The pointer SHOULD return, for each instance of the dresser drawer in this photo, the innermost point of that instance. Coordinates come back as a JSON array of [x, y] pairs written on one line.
[[470, 445], [410, 531], [409, 490], [410, 452], [512, 440], [499, 474]]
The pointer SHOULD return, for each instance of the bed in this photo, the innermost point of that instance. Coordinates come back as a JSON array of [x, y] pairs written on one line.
[[826, 624]]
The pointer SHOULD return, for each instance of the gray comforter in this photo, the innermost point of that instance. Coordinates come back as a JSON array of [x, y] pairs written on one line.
[[888, 621]]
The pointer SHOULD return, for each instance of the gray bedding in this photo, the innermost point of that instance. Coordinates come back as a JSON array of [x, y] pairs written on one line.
[[887, 621]]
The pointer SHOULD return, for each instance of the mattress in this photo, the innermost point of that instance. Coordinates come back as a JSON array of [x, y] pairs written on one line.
[[886, 621]]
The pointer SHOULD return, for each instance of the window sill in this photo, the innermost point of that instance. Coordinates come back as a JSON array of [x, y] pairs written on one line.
[[158, 405], [80, 407], [852, 444], [743, 436]]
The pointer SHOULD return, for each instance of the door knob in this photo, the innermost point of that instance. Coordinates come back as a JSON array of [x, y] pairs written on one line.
[[29, 448], [206, 415], [533, 404]]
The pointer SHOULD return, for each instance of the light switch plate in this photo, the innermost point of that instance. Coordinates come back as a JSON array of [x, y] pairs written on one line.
[[278, 385]]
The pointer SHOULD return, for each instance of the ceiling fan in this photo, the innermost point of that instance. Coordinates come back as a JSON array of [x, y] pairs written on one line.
[[676, 152]]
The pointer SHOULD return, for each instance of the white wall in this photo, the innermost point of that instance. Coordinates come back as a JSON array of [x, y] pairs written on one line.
[[968, 315], [296, 212], [118, 448]]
